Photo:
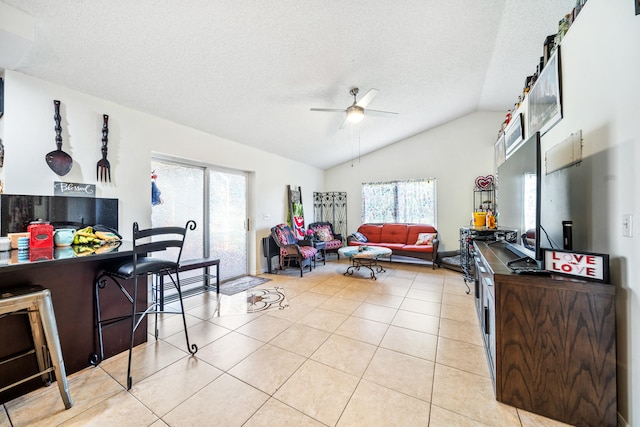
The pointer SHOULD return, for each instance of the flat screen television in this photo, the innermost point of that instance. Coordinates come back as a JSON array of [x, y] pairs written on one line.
[[518, 198]]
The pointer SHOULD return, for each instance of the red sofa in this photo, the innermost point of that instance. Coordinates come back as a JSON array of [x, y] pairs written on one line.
[[411, 240]]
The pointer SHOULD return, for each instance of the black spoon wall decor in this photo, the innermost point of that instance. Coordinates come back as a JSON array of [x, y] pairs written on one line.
[[59, 161]]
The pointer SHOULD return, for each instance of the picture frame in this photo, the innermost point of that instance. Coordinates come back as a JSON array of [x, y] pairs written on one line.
[[499, 151], [637, 2], [513, 135], [545, 98], [578, 264]]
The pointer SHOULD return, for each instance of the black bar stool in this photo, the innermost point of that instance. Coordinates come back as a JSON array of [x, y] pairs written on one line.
[[169, 241], [35, 301]]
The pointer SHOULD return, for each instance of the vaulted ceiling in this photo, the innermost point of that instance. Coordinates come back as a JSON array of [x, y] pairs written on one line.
[[249, 71]]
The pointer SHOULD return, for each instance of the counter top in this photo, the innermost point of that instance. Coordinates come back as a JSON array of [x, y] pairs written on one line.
[[44, 257]]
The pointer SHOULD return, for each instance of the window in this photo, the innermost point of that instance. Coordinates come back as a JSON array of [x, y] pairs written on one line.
[[400, 201]]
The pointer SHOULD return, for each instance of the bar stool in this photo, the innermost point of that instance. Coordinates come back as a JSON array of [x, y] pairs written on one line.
[[147, 242], [35, 301]]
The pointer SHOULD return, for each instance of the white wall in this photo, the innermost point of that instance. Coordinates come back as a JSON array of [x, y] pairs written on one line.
[[28, 134], [600, 62], [454, 153]]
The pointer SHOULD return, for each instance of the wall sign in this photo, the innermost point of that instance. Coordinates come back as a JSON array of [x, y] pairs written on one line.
[[73, 189], [585, 265]]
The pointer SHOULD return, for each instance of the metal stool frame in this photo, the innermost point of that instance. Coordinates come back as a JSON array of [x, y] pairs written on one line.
[[143, 266], [35, 301]]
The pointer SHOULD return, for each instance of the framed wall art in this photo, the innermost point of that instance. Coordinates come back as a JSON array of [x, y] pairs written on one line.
[[545, 106], [513, 135]]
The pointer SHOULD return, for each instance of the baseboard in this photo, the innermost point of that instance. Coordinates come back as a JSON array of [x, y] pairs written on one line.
[[621, 421]]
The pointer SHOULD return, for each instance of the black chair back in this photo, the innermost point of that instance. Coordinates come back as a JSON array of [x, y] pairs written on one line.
[[159, 239]]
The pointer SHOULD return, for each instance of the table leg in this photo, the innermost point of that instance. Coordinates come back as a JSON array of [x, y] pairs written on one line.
[[356, 263]]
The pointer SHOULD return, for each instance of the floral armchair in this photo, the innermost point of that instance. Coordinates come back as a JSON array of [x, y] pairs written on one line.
[[324, 232], [292, 249]]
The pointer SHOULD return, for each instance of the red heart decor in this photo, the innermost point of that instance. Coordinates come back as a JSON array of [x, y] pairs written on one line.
[[484, 182]]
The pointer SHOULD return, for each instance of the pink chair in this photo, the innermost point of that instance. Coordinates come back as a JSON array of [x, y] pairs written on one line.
[[291, 249]]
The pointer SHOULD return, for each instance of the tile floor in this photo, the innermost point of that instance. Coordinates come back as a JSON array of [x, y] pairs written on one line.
[[404, 350]]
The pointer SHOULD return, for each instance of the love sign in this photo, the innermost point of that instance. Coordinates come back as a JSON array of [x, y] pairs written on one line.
[[585, 265], [484, 182]]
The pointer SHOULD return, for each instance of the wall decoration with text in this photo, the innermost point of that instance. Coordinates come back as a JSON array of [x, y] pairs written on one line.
[[73, 189], [583, 265]]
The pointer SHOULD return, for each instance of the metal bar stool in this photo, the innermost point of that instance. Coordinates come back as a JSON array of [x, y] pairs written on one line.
[[145, 243], [35, 301]]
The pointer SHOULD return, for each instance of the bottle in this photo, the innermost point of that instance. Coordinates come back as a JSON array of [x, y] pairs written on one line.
[[491, 220]]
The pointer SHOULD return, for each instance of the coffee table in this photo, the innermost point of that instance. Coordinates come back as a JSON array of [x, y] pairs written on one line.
[[364, 256]]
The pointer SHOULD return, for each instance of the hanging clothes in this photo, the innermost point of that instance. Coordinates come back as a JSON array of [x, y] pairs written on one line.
[[155, 191]]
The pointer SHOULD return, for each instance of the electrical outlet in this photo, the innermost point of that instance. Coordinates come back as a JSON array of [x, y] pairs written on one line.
[[627, 225]]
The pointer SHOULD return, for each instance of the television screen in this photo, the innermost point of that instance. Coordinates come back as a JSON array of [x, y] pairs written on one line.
[[565, 199], [17, 211], [518, 197]]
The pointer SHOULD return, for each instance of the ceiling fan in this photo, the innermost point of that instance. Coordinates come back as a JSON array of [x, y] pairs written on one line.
[[356, 111]]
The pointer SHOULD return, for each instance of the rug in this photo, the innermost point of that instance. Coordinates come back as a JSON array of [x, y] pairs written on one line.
[[240, 284]]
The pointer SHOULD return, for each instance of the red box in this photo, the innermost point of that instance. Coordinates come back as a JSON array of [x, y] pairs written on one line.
[[41, 235]]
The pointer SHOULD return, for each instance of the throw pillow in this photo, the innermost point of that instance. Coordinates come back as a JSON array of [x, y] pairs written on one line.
[[426, 238], [360, 237], [324, 235]]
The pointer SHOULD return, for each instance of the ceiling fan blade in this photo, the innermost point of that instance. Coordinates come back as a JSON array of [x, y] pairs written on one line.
[[329, 110], [345, 122], [367, 98], [378, 113]]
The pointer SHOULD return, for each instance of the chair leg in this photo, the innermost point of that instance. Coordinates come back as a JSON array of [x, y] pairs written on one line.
[[100, 356], [133, 331], [39, 341], [50, 329], [192, 348]]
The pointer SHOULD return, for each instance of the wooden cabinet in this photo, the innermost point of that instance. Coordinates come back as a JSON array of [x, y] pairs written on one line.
[[550, 341]]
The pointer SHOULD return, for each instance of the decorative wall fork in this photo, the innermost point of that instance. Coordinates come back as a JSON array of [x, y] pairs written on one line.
[[103, 169]]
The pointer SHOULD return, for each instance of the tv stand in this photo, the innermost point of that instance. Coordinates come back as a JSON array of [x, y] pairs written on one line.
[[549, 340]]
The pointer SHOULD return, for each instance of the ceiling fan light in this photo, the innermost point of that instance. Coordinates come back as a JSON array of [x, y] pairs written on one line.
[[355, 115]]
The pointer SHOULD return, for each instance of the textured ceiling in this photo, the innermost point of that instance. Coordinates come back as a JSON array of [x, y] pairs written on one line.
[[250, 71]]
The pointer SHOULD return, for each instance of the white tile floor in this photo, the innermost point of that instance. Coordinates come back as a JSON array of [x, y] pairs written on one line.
[[404, 350]]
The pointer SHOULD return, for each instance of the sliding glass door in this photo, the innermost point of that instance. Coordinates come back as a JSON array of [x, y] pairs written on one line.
[[216, 199], [228, 221]]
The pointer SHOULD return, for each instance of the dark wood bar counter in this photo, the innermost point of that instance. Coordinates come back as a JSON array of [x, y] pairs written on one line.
[[70, 278]]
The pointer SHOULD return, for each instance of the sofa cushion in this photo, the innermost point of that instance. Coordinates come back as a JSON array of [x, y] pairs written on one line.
[[425, 238], [371, 231], [418, 248], [333, 244], [415, 229], [394, 233]]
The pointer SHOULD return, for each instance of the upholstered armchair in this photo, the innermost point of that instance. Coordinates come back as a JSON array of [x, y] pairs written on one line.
[[292, 249], [324, 232]]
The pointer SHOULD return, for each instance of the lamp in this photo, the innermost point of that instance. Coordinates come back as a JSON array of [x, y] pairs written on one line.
[[355, 114]]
